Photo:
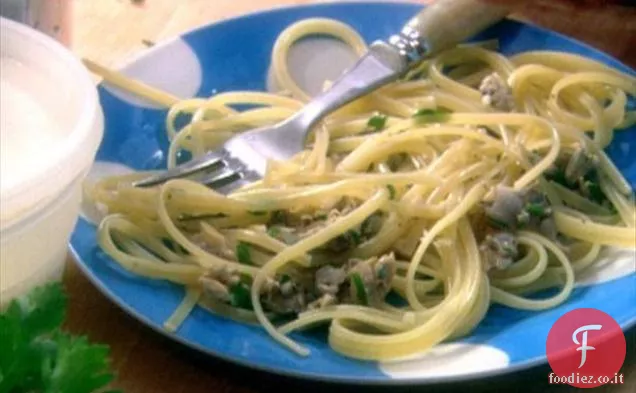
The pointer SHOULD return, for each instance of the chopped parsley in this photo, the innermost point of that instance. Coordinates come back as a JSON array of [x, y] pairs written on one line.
[[278, 217], [240, 296], [588, 186], [344, 242], [594, 192], [243, 253], [557, 175], [431, 115], [498, 223], [392, 191], [377, 122], [273, 231], [355, 237], [361, 292], [192, 217], [536, 210]]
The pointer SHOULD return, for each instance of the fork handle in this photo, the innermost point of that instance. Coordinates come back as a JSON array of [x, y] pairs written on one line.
[[444, 24], [439, 26]]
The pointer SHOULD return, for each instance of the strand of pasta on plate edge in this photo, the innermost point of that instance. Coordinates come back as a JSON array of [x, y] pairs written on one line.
[[477, 179]]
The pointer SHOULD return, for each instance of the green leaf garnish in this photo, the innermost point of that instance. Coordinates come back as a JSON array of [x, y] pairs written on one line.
[[377, 122], [431, 115], [355, 236], [392, 191], [273, 231], [594, 191], [243, 254], [497, 223], [558, 176], [278, 217], [240, 296], [77, 351], [361, 292], [37, 356], [191, 217], [285, 278], [536, 209]]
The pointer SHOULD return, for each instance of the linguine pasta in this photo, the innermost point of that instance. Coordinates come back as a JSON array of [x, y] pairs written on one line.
[[476, 179]]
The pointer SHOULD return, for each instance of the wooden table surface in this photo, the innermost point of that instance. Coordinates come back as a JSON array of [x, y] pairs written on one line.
[[109, 31]]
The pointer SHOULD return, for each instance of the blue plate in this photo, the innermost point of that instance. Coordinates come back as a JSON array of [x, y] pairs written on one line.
[[235, 55]]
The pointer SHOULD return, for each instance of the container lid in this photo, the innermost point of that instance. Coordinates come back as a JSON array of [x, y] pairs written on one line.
[[48, 85]]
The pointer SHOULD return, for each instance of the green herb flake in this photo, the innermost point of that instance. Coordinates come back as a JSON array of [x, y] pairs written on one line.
[[431, 115], [278, 217], [273, 231], [377, 122], [536, 209], [558, 176], [594, 191], [243, 253], [257, 212], [361, 292], [191, 217], [321, 217], [392, 191], [285, 278], [365, 227], [497, 223], [240, 296], [355, 237], [37, 356]]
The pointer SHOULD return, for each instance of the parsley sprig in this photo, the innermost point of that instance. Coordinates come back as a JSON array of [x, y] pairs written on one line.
[[377, 122], [38, 357], [439, 115], [360, 290]]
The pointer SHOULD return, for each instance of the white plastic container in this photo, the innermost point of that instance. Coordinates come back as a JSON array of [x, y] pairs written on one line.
[[51, 125]]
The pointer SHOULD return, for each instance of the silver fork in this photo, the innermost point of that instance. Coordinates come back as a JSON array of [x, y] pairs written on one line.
[[243, 158]]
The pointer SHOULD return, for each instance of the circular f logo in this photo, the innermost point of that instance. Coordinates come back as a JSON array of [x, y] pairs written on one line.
[[586, 348]]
